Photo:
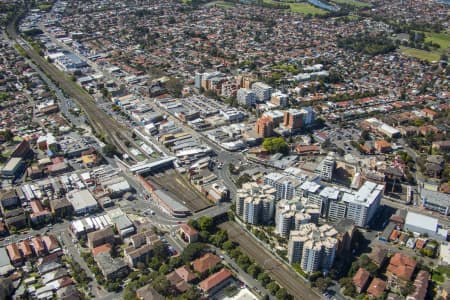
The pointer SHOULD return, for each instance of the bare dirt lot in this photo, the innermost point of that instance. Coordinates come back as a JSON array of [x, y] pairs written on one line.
[[181, 189]]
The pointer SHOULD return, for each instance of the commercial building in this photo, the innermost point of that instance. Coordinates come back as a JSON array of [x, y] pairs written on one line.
[[246, 97], [263, 91], [13, 168], [82, 201], [123, 224], [188, 233], [172, 206], [264, 127], [9, 199], [295, 119], [380, 127], [276, 116], [255, 204], [436, 201], [423, 224], [314, 248]]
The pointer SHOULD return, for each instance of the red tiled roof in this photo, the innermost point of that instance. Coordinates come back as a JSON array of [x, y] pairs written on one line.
[[402, 266], [13, 252], [361, 277], [189, 230], [205, 262], [376, 287], [215, 279], [185, 273], [101, 249], [25, 247], [38, 245]]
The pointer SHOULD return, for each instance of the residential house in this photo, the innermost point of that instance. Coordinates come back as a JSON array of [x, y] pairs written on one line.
[[361, 280], [378, 256], [147, 292], [14, 254], [133, 256], [51, 243], [25, 249], [401, 267], [110, 267], [376, 288], [205, 263], [216, 282], [421, 286], [38, 246], [100, 237], [188, 233]]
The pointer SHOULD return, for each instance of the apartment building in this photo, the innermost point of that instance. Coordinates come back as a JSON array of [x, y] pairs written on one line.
[[263, 91], [246, 97], [255, 204], [314, 248]]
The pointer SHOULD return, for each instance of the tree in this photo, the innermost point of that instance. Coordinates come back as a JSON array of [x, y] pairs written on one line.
[[323, 283], [161, 285], [273, 287], [263, 278], [160, 251], [253, 270], [228, 245], [206, 223], [164, 269], [281, 294], [243, 179], [109, 150], [174, 86], [192, 251], [276, 145], [193, 223]]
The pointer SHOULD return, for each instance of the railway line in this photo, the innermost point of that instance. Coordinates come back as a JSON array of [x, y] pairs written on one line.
[[285, 276], [112, 131]]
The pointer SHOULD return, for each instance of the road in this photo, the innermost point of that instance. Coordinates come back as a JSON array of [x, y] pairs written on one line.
[[285, 276]]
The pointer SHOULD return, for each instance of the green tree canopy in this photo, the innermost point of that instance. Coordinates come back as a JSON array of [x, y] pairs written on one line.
[[276, 145]]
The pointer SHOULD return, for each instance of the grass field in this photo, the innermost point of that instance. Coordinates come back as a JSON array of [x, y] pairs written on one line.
[[302, 8], [421, 54], [222, 4], [443, 39], [353, 3]]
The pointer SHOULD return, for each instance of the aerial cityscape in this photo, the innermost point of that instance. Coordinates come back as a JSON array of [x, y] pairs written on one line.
[[226, 150]]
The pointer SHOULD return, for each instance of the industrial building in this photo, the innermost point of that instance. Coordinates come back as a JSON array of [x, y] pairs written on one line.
[[423, 224]]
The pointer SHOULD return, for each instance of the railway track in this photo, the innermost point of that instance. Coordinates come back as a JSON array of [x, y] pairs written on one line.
[[112, 131], [285, 276]]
